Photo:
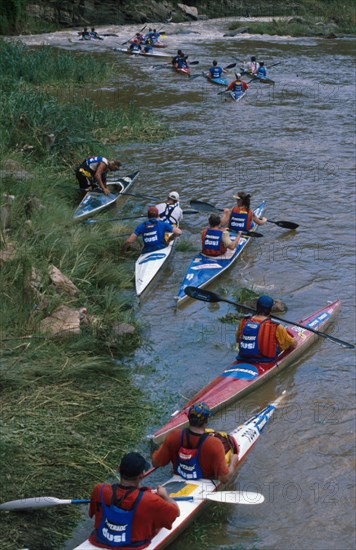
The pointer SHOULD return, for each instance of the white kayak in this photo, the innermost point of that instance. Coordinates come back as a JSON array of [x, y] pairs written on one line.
[[148, 265], [197, 492], [139, 53]]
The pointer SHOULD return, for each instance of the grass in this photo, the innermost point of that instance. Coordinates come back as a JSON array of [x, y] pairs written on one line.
[[69, 409]]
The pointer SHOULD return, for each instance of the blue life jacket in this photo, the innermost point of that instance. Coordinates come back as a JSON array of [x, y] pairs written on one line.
[[249, 346], [115, 527], [188, 465], [262, 72], [215, 72], [237, 87], [212, 243], [239, 221], [182, 64]]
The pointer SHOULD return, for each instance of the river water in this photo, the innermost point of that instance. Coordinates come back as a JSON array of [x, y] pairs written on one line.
[[293, 145]]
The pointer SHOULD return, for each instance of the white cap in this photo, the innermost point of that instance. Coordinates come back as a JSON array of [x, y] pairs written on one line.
[[238, 75], [174, 196]]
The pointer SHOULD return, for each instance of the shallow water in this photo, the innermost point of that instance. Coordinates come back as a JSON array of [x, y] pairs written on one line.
[[293, 145]]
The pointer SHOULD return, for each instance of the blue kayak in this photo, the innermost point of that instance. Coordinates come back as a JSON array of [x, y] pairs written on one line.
[[203, 269], [219, 81]]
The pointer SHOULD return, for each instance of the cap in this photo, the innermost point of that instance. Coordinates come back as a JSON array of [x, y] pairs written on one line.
[[236, 196], [133, 464], [174, 196], [152, 212], [238, 75], [264, 302], [199, 410]]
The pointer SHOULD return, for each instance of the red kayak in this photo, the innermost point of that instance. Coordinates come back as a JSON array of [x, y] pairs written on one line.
[[183, 70], [241, 377]]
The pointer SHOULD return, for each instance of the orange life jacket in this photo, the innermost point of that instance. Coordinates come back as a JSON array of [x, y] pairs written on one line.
[[212, 242]]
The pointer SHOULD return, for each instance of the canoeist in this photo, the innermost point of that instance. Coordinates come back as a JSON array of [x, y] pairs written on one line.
[[252, 66], [182, 62], [196, 452], [126, 515], [135, 46], [259, 338], [153, 232], [215, 239], [91, 173], [155, 36], [148, 46], [238, 85], [94, 34], [262, 71], [176, 57], [139, 37], [215, 71], [240, 217], [85, 34], [170, 211]]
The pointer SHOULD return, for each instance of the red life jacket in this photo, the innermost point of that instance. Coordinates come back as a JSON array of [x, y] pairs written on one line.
[[212, 243], [240, 219]]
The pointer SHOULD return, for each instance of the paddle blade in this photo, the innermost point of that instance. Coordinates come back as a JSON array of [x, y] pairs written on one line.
[[285, 225], [236, 497], [203, 206], [192, 76], [231, 66], [200, 294]]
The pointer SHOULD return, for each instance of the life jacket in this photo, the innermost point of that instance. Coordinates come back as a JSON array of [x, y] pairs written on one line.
[[182, 64], [115, 527], [188, 465], [167, 214], [215, 72], [262, 72], [237, 87], [88, 166], [258, 342], [153, 235], [240, 219], [212, 243], [135, 47]]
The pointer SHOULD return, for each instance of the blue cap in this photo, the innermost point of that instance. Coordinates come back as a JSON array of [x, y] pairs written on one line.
[[199, 410], [264, 302]]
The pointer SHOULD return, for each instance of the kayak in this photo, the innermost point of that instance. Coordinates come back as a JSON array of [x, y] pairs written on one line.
[[148, 265], [221, 81], [183, 70], [203, 269], [159, 44], [195, 492], [95, 201], [263, 79], [144, 54], [243, 377], [237, 96]]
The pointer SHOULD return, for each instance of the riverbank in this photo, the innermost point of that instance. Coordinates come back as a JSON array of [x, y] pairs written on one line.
[[69, 411]]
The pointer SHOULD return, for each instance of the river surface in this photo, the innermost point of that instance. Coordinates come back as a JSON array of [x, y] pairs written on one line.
[[293, 145]]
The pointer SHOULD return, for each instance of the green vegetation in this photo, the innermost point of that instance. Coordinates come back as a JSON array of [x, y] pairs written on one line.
[[12, 15], [69, 411], [307, 18]]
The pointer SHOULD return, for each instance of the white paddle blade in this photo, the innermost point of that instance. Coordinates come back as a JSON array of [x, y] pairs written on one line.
[[35, 502], [236, 497]]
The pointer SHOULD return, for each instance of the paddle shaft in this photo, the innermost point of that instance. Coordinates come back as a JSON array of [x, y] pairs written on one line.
[[207, 207], [91, 220], [208, 296], [143, 28]]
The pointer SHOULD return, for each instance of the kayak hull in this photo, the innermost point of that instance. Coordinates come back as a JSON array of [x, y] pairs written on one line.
[[245, 437], [203, 270], [183, 70], [237, 96], [142, 53], [242, 377], [94, 202], [148, 265], [218, 81]]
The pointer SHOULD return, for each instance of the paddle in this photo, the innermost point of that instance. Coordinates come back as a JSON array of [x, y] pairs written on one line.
[[92, 220], [206, 207], [226, 497], [170, 65], [126, 41], [208, 296]]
